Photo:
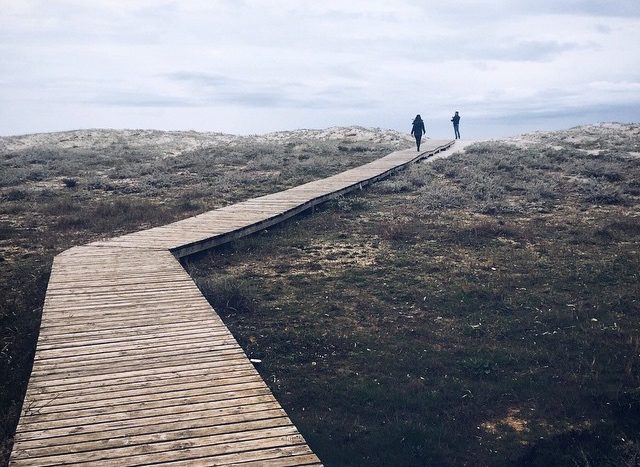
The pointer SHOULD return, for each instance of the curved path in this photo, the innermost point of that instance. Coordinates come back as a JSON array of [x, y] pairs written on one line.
[[134, 367]]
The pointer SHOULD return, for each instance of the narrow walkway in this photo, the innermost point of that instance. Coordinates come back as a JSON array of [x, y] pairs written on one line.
[[134, 367]]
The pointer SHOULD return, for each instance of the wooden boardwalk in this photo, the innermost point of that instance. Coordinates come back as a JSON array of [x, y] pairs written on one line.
[[134, 367]]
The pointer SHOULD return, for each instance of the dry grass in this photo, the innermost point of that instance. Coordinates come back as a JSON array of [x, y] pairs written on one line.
[[499, 328]]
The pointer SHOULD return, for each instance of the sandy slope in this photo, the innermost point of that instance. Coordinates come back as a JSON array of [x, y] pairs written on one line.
[[169, 143]]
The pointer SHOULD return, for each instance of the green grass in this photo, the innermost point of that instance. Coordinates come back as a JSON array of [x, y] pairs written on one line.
[[480, 310]]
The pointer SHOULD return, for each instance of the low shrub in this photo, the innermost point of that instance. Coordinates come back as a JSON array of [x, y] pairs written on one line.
[[482, 233], [36, 174], [70, 182], [395, 185], [7, 230], [349, 203], [441, 194], [601, 192], [542, 189], [229, 294], [12, 176], [401, 230], [100, 183], [61, 206], [16, 195]]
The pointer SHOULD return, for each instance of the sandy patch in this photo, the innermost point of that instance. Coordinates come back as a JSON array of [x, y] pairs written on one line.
[[513, 422]]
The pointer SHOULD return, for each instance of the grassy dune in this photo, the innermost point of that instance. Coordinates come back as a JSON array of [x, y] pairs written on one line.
[[479, 310]]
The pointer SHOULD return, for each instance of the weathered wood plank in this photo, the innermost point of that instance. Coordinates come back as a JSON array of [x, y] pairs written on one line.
[[131, 437], [76, 404], [43, 397], [138, 444], [52, 371], [149, 423], [37, 420]]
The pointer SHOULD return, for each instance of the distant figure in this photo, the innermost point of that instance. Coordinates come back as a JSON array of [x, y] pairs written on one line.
[[456, 122], [418, 130]]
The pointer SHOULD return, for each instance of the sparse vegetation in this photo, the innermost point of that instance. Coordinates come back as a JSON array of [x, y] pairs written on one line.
[[69, 182], [64, 189], [479, 310]]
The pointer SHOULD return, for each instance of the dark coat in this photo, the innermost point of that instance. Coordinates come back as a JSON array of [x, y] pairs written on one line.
[[418, 128], [456, 119]]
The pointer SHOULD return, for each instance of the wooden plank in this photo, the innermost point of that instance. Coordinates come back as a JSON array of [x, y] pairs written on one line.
[[127, 346], [265, 418], [222, 443], [265, 455], [42, 397], [138, 436], [51, 330], [138, 443], [287, 461], [123, 356], [49, 381], [125, 411], [52, 371], [127, 331], [159, 378], [96, 289], [159, 393], [220, 453], [98, 296], [149, 305], [182, 449], [141, 416], [114, 340], [150, 424]]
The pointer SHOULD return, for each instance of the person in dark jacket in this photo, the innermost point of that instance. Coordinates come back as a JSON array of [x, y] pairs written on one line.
[[456, 121], [418, 130]]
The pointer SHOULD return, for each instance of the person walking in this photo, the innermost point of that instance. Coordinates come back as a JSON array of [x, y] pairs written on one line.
[[456, 122], [418, 130]]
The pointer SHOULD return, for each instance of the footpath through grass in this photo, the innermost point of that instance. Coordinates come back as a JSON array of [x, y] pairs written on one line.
[[479, 310]]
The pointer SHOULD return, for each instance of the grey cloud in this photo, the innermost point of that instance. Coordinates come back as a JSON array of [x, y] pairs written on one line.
[[254, 99], [210, 90], [483, 65], [491, 9], [487, 49], [216, 88], [338, 15], [516, 51], [202, 79], [346, 72], [620, 8], [603, 29], [140, 99], [597, 112], [71, 23], [534, 51], [279, 98]]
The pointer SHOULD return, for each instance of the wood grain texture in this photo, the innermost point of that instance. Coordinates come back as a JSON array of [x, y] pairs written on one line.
[[134, 367]]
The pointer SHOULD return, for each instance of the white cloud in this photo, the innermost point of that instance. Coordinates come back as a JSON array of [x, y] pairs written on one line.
[[207, 64]]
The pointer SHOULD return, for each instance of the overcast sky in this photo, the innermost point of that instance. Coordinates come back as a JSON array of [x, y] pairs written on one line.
[[508, 66]]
